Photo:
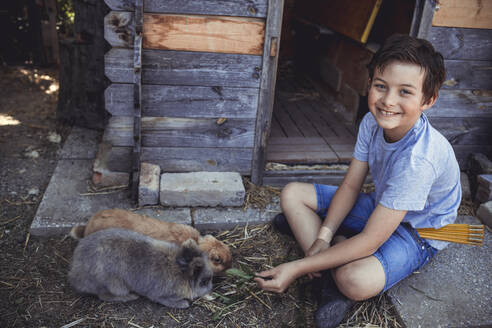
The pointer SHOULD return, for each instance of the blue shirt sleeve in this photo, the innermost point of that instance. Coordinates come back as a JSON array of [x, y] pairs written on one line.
[[361, 150]]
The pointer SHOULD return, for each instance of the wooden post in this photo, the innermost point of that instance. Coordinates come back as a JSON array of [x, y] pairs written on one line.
[[267, 88], [422, 18], [137, 97]]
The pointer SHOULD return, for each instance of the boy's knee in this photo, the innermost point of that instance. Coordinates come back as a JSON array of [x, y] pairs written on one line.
[[290, 193], [353, 283]]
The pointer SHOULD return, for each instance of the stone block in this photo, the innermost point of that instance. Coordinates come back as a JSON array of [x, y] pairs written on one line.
[[177, 215], [202, 189], [484, 213], [228, 218], [148, 188], [465, 186], [478, 164]]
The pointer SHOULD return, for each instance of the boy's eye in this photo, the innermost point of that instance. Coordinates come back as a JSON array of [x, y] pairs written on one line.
[[405, 92], [380, 86]]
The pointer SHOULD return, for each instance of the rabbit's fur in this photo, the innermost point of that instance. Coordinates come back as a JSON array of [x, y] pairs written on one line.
[[218, 253], [119, 265]]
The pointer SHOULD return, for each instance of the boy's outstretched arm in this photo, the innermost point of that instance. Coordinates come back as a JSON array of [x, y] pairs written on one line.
[[342, 202], [382, 223]]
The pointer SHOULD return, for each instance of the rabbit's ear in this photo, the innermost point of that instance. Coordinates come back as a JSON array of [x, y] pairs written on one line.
[[187, 253], [197, 267]]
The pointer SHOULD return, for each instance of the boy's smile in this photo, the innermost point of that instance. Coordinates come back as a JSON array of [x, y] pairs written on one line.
[[396, 98]]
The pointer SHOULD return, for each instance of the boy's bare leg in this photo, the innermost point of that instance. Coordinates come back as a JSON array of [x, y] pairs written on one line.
[[299, 204], [360, 279]]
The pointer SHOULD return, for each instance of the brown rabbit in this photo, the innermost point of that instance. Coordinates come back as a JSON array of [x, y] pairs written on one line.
[[218, 253], [119, 265]]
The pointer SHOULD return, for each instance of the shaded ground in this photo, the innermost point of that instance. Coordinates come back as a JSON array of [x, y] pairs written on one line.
[[33, 287]]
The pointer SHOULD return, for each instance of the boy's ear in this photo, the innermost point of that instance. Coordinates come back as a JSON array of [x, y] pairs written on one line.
[[429, 103]]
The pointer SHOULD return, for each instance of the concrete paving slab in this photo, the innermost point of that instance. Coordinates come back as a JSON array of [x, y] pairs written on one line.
[[81, 144], [66, 201], [453, 290], [229, 217]]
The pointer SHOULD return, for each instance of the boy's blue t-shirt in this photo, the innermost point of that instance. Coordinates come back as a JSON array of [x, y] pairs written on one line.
[[418, 173]]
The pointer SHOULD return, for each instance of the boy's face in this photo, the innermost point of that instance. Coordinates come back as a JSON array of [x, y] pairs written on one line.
[[396, 98]]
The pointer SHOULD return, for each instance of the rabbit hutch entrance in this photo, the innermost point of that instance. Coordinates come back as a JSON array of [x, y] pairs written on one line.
[[193, 83], [322, 83]]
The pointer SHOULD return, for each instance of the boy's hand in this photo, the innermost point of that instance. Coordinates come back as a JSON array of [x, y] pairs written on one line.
[[277, 279], [318, 246]]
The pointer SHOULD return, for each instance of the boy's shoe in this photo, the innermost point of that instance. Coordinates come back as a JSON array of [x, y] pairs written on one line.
[[281, 225], [333, 305]]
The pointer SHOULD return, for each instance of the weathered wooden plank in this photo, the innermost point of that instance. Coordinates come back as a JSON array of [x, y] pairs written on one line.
[[250, 8], [466, 74], [176, 159], [464, 13], [204, 33], [302, 157], [185, 68], [296, 141], [462, 43], [281, 178], [119, 29], [267, 88], [277, 148], [465, 131], [137, 99], [182, 132], [184, 101], [462, 103]]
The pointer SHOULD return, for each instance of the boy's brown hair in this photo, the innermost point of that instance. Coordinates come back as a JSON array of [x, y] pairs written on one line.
[[407, 49]]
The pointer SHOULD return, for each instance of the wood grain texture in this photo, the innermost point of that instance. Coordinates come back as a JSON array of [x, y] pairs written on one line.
[[267, 89], [462, 43], [465, 131], [204, 33], [184, 101], [181, 132], [176, 159], [119, 29], [468, 74], [464, 13], [462, 103], [250, 8], [185, 68]]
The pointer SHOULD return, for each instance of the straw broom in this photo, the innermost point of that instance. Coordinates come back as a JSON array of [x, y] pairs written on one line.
[[470, 234]]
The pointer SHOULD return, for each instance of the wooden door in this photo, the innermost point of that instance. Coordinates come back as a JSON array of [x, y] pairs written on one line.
[[208, 75]]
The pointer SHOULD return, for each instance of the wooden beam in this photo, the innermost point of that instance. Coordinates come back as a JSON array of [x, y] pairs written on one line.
[[185, 68], [462, 103], [267, 90], [250, 8], [182, 132], [204, 33], [184, 101], [185, 159], [137, 99], [462, 43], [464, 13]]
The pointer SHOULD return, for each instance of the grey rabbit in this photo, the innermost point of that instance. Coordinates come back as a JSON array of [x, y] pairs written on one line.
[[119, 265]]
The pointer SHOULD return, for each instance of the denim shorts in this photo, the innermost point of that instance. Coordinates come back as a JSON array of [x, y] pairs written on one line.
[[403, 253]]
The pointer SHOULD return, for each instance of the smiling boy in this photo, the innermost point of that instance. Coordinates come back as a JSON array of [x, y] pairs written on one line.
[[417, 184]]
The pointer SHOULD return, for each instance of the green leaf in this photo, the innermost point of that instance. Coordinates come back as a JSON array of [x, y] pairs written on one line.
[[239, 273]]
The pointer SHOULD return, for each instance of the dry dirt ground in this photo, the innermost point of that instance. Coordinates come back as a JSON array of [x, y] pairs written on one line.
[[33, 287]]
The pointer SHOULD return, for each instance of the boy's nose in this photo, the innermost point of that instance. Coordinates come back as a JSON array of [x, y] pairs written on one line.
[[389, 99]]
